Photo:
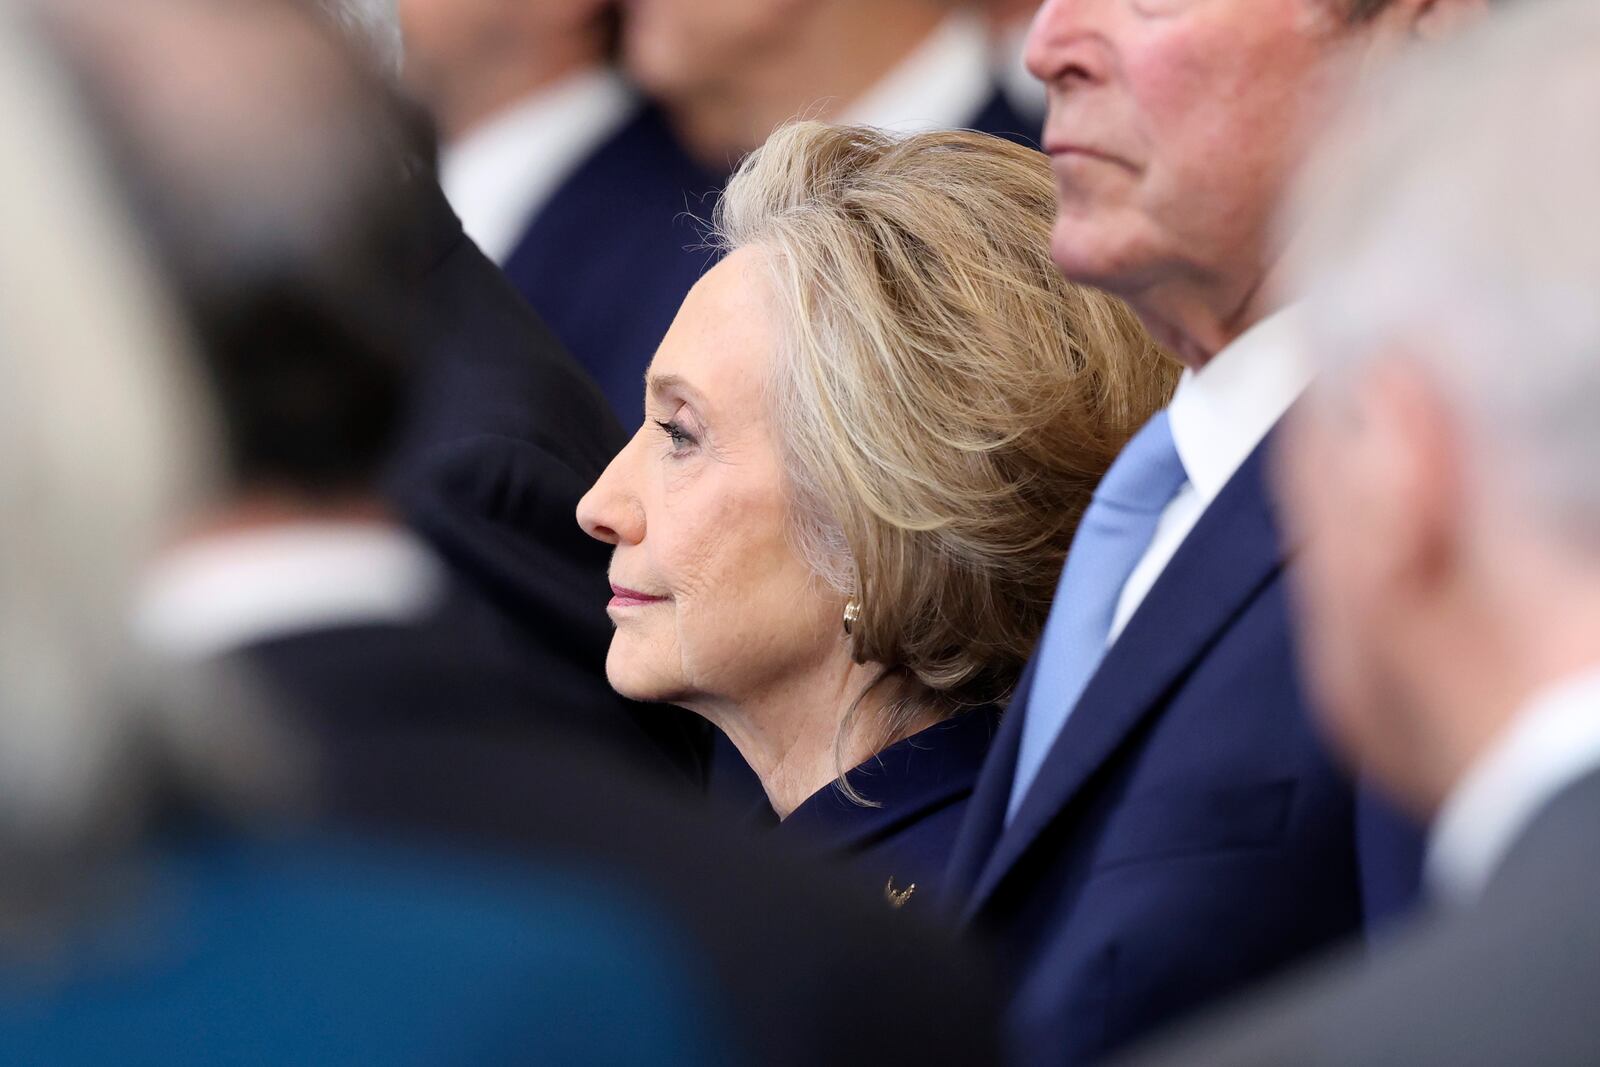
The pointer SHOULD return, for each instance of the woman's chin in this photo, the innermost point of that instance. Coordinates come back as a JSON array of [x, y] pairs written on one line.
[[630, 680]]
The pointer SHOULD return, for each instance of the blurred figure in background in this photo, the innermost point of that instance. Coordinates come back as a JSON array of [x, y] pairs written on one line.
[[523, 91], [1009, 22], [871, 431], [438, 397], [1442, 479], [617, 246], [100, 444], [203, 882], [293, 267]]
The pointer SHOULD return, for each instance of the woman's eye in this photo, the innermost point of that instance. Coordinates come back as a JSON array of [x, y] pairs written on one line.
[[681, 439]]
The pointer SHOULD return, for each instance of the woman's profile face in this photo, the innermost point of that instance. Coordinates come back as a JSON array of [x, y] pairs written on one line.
[[711, 602]]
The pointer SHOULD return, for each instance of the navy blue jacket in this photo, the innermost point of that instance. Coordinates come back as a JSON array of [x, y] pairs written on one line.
[[613, 252], [1187, 834], [920, 787]]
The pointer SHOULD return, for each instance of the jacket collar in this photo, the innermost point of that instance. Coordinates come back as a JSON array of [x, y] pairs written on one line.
[[908, 780]]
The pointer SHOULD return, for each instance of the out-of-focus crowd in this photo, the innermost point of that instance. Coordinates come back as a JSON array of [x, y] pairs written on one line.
[[799, 531]]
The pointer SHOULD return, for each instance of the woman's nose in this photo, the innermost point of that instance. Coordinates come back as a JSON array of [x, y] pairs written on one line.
[[608, 512]]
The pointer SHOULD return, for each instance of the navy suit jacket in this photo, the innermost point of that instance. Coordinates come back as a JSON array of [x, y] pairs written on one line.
[[613, 252], [1187, 833], [917, 791]]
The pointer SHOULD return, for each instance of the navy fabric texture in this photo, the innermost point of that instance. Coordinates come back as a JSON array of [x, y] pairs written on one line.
[[920, 787]]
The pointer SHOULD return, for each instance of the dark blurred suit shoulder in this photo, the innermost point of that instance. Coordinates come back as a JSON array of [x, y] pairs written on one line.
[[506, 434], [1511, 979]]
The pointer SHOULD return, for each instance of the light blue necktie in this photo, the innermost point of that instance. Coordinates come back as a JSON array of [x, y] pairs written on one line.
[[1114, 532]]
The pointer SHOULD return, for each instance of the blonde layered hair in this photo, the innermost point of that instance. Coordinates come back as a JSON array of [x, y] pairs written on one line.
[[944, 401]]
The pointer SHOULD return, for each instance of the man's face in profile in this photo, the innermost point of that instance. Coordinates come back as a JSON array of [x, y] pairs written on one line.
[[1173, 128]]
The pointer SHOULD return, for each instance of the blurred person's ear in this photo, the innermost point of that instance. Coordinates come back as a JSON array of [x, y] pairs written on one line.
[[1369, 474], [1407, 452], [1439, 20]]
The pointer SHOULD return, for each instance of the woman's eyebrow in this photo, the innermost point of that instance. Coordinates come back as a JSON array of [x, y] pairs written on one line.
[[659, 385]]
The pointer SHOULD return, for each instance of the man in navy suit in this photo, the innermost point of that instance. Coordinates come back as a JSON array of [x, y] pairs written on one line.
[[1443, 470], [1158, 824]]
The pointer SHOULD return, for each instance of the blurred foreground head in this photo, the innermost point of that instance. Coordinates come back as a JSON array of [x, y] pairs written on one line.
[[266, 163], [1444, 474], [263, 177], [103, 439]]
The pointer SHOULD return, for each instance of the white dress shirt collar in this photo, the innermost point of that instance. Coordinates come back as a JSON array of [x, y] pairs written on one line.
[[226, 592], [943, 84], [1552, 742], [1220, 413], [500, 174]]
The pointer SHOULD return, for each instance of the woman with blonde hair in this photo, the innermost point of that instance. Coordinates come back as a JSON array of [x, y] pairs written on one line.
[[868, 438]]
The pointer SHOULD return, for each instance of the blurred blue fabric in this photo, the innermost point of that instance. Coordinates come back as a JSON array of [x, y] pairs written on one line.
[[325, 950]]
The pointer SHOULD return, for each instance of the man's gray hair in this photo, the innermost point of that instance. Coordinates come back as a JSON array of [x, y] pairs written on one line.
[[373, 25], [1456, 220]]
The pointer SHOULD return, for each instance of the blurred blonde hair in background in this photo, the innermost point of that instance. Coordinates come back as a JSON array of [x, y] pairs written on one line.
[[102, 441], [945, 401]]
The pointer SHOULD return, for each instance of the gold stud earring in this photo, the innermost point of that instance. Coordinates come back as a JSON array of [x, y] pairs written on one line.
[[852, 612]]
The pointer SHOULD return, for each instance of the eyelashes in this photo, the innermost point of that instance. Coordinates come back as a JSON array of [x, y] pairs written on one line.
[[680, 438]]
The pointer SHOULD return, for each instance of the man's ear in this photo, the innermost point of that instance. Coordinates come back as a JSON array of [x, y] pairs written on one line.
[[1411, 446], [1437, 20]]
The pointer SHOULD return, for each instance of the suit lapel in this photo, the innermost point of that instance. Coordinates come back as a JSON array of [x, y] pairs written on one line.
[[1224, 562], [986, 811]]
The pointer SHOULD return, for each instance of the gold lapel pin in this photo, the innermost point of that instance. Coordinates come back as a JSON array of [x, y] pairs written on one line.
[[897, 897]]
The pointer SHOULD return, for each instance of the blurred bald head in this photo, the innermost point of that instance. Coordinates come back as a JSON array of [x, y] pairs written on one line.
[[269, 167]]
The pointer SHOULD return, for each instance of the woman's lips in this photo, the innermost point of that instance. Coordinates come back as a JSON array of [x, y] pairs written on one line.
[[623, 597]]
